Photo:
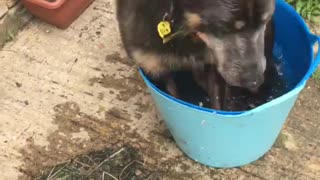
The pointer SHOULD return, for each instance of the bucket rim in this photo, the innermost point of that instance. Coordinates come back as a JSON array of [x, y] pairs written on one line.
[[296, 90]]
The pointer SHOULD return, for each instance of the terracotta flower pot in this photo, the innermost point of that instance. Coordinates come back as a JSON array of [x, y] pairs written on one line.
[[60, 13]]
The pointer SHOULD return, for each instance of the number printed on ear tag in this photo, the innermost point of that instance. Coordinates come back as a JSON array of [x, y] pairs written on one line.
[[164, 29]]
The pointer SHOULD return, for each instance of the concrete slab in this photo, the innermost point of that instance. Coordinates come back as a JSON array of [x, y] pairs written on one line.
[[64, 93]]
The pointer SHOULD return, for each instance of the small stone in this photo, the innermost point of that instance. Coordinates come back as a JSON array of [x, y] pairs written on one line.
[[115, 112], [286, 141], [151, 161], [137, 172], [19, 85], [252, 106], [201, 104], [118, 113]]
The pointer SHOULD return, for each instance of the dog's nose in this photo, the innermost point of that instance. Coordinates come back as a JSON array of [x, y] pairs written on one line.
[[252, 86], [252, 82]]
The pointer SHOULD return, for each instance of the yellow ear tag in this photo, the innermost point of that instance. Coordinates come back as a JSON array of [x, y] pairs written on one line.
[[164, 28]]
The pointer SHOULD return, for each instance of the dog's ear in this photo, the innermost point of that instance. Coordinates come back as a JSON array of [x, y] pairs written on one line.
[[192, 20], [193, 11]]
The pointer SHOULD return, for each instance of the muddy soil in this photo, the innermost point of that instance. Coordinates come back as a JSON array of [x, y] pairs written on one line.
[[296, 146]]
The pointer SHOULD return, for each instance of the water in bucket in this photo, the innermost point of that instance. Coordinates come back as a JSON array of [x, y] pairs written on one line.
[[274, 87]]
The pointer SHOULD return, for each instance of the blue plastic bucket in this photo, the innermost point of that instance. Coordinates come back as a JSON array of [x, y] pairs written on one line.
[[225, 139]]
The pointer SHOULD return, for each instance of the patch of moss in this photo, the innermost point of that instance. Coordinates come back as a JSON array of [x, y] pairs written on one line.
[[316, 75]]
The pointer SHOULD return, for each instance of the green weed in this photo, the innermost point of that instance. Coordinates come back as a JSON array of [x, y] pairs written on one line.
[[308, 9], [316, 75]]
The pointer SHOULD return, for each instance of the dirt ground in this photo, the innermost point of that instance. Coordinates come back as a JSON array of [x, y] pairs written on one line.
[[69, 92]]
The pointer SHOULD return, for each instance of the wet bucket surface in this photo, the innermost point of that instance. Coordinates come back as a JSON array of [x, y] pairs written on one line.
[[231, 139]]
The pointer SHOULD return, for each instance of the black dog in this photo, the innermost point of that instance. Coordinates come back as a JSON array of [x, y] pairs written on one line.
[[225, 97], [195, 33]]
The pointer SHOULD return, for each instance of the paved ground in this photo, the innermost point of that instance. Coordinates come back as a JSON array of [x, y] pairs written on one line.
[[64, 93]]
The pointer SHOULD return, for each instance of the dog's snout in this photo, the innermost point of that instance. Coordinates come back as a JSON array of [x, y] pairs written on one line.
[[253, 85]]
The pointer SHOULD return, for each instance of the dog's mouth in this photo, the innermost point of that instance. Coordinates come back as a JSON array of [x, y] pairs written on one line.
[[254, 90]]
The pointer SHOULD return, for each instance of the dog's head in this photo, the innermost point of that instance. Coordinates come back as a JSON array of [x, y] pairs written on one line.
[[234, 31]]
